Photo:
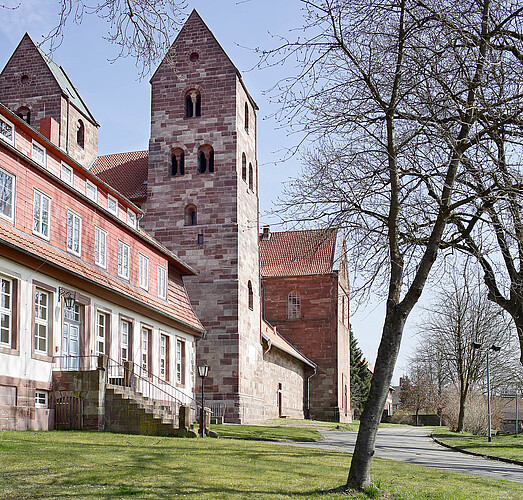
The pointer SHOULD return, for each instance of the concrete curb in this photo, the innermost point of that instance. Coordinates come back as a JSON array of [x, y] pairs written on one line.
[[473, 453]]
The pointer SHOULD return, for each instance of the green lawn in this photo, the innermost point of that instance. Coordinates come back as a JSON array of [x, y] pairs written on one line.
[[265, 432], [506, 446], [104, 465]]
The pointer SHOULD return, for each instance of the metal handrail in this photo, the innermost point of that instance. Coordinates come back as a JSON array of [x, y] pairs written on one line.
[[161, 395]]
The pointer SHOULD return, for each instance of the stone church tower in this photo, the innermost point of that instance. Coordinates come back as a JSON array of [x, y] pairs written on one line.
[[202, 203]]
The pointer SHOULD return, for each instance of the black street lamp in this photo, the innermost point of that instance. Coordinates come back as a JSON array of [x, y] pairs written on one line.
[[203, 370], [493, 348], [68, 297]]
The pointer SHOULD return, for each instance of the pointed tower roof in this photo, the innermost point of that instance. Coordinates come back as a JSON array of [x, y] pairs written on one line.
[[61, 78], [196, 34]]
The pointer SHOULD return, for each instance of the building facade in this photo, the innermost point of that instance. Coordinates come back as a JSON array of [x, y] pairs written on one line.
[[197, 190], [66, 235]]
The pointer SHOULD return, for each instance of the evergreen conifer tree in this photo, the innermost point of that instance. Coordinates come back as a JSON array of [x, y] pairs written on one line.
[[359, 376]]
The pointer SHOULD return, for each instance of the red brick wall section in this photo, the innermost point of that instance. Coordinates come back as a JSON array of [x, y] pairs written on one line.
[[315, 335]]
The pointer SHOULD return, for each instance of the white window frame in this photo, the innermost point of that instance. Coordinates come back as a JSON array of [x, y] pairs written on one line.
[[43, 161], [41, 399], [162, 282], [131, 218], [164, 348], [180, 361], [143, 274], [10, 217], [6, 312], [39, 217], [102, 321], [123, 334], [41, 321], [74, 234], [91, 191], [294, 305], [114, 201], [100, 247], [5, 124], [124, 257], [67, 174]]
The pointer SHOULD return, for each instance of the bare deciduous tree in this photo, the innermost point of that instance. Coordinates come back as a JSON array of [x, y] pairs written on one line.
[[143, 29], [459, 316], [395, 94]]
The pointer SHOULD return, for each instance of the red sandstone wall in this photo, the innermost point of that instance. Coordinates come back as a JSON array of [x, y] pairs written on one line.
[[315, 334]]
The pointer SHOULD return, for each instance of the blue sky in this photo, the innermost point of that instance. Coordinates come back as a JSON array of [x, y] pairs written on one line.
[[120, 102]]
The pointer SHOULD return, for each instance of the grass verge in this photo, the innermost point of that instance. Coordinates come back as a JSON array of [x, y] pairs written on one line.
[[267, 433], [505, 446], [104, 465]]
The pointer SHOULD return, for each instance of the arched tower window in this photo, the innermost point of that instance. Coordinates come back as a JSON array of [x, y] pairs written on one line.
[[251, 296], [177, 161], [80, 133], [193, 103], [294, 305], [244, 167], [246, 117], [205, 159], [251, 177], [190, 215], [24, 113]]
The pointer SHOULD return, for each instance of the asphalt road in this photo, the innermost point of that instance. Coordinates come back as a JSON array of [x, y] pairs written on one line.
[[414, 445]]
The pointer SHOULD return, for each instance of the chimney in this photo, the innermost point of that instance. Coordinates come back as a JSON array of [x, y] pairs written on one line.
[[266, 233], [50, 128]]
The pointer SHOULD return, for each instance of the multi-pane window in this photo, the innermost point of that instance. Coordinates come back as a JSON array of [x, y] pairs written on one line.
[[164, 349], [7, 194], [41, 214], [100, 247], [145, 349], [162, 282], [6, 311], [91, 191], [38, 154], [124, 251], [101, 332], [294, 305], [180, 361], [125, 330], [144, 271], [42, 321], [131, 218], [7, 131], [66, 174], [74, 233], [41, 399], [112, 204]]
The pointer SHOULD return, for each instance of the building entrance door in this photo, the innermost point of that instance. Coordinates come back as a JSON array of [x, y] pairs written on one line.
[[71, 338]]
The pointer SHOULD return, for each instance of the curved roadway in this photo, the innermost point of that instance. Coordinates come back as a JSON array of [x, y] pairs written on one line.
[[414, 445]]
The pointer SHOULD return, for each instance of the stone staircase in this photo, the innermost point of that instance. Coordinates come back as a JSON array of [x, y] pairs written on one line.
[[128, 412]]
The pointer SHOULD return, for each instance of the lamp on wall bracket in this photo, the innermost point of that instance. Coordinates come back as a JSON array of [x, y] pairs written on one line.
[[68, 296]]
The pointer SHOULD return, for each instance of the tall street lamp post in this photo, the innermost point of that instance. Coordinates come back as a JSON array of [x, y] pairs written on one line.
[[493, 348], [203, 370]]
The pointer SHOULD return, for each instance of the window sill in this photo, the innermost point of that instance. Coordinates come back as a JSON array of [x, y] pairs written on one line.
[[4, 349]]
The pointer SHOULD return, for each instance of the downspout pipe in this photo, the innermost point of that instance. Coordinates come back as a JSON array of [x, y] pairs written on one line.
[[308, 417]]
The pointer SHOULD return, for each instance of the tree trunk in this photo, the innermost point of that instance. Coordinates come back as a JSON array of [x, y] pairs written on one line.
[[359, 474], [461, 416]]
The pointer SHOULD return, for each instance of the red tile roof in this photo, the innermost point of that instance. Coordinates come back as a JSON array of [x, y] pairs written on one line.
[[270, 334], [125, 172], [298, 253], [177, 306]]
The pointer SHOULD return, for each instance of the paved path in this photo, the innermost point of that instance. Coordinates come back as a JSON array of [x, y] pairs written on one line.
[[414, 445]]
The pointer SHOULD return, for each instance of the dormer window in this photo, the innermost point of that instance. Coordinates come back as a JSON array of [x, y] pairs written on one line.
[[80, 134], [205, 159], [24, 113], [193, 103], [177, 161]]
